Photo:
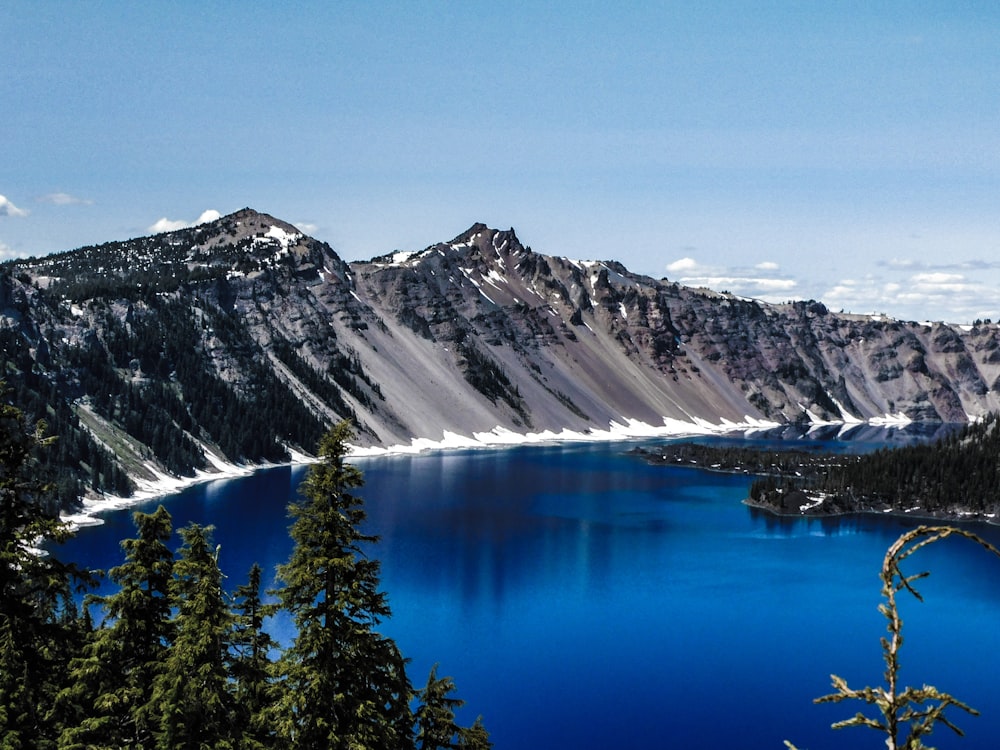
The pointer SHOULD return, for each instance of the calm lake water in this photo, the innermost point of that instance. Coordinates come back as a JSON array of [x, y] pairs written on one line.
[[584, 599]]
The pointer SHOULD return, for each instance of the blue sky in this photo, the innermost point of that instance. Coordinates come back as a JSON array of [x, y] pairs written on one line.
[[847, 152]]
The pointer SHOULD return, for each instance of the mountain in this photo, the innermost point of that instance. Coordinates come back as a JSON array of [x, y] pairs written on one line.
[[238, 339]]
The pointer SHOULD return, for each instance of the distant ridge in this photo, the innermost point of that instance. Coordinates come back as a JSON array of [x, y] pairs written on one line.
[[239, 339]]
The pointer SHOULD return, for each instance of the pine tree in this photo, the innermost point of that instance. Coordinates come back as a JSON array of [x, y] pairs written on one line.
[[111, 683], [37, 616], [191, 694], [343, 685], [435, 719], [475, 737], [250, 667], [436, 727]]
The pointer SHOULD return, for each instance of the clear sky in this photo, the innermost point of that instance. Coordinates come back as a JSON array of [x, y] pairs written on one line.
[[847, 152]]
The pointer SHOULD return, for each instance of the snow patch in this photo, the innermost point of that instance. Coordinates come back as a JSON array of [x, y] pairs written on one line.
[[625, 429], [164, 484], [495, 278], [147, 489], [283, 237], [814, 501], [844, 414], [889, 420], [401, 257]]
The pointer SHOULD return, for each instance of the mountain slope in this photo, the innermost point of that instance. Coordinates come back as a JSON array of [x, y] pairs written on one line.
[[239, 338]]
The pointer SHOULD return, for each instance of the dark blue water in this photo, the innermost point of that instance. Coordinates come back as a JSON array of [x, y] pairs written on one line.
[[584, 599]]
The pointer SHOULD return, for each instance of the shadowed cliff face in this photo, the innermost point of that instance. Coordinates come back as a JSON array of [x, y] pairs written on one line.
[[463, 336]]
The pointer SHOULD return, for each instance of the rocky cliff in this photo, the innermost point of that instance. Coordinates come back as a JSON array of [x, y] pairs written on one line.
[[240, 338]]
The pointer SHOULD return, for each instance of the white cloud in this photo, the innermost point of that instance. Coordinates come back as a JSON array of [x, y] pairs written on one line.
[[64, 199], [167, 225], [922, 296], [747, 285], [306, 227], [946, 287], [9, 209], [207, 216], [761, 281], [684, 265], [937, 279], [6, 252], [172, 225], [906, 264]]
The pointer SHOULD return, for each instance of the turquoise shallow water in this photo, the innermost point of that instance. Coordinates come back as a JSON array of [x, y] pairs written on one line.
[[584, 599]]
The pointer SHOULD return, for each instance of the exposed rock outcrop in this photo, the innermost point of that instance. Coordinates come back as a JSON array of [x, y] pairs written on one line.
[[462, 336]]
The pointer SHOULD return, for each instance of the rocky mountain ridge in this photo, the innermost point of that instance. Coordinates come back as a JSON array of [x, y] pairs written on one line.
[[237, 339]]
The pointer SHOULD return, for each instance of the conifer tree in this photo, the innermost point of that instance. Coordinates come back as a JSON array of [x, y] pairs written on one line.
[[37, 615], [111, 683], [343, 685], [435, 719], [475, 737], [251, 667], [191, 694], [436, 727]]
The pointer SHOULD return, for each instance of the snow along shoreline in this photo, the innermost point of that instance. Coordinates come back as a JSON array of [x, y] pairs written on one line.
[[498, 437]]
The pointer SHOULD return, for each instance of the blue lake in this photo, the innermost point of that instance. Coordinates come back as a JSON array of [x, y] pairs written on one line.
[[582, 598]]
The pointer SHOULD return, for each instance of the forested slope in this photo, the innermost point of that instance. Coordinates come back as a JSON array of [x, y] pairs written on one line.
[[241, 340], [955, 476]]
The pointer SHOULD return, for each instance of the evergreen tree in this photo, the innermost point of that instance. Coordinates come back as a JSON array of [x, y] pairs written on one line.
[[435, 719], [436, 727], [111, 683], [475, 737], [191, 694], [250, 667], [343, 685], [37, 616]]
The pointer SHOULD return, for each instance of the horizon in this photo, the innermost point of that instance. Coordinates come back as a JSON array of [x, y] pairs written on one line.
[[781, 152]]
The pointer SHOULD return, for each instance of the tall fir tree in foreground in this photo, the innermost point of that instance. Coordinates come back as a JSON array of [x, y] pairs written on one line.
[[192, 694], [111, 684], [250, 666], [342, 684], [175, 663], [38, 623]]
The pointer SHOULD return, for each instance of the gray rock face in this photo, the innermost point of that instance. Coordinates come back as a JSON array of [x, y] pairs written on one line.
[[481, 331]]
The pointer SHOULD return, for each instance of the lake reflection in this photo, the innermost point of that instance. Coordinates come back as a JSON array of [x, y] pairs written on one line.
[[584, 599]]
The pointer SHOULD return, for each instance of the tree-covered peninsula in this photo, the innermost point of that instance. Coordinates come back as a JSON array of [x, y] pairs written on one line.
[[956, 476]]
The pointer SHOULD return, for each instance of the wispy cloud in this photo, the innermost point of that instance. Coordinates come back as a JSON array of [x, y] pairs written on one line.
[[763, 280], [7, 252], [171, 225], [9, 209], [682, 266], [64, 199], [908, 264], [926, 295]]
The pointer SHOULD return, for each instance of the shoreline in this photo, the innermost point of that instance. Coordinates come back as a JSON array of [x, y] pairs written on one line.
[[499, 437], [916, 514]]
